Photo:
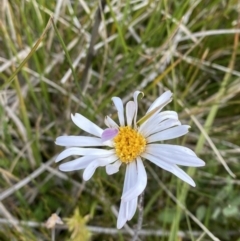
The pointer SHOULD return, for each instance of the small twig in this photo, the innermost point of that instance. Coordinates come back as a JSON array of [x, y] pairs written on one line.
[[26, 180], [33, 50], [94, 36], [126, 227], [140, 216], [53, 234], [114, 231], [109, 231], [210, 142], [180, 204], [4, 212], [66, 54]]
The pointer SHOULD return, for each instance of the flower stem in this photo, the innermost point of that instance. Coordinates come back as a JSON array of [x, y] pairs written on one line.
[[140, 216]]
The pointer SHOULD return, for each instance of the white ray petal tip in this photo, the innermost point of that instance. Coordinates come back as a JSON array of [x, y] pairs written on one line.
[[201, 163], [138, 92], [72, 115], [59, 158], [193, 184], [75, 116], [169, 92], [109, 134], [62, 168], [120, 225], [58, 140], [112, 169], [121, 221], [86, 176]]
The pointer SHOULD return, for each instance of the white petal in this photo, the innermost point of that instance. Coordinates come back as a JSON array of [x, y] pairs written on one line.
[[132, 206], [168, 114], [91, 168], [108, 143], [122, 219], [135, 96], [128, 183], [169, 134], [138, 188], [174, 148], [82, 151], [175, 157], [78, 141], [153, 120], [156, 119], [110, 122], [86, 125], [183, 175], [130, 176], [132, 173], [122, 215], [130, 111], [162, 126], [127, 209], [119, 106], [77, 164], [109, 134], [113, 168], [161, 101], [170, 167]]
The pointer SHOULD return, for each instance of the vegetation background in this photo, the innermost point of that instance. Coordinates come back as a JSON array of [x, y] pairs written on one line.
[[75, 63]]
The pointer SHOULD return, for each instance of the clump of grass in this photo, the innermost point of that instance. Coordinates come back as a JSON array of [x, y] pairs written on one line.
[[188, 47]]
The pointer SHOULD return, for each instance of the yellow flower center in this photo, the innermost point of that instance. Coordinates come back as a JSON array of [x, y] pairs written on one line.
[[129, 144]]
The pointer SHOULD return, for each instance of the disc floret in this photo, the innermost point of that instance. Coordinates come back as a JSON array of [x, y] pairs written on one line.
[[129, 144]]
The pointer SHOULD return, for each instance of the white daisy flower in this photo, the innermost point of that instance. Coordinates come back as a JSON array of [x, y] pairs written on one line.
[[129, 143]]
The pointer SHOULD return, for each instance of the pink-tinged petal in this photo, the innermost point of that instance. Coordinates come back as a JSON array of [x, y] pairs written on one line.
[[109, 134], [135, 97], [138, 188], [82, 152], [161, 101], [86, 125], [110, 122], [119, 106], [130, 111], [113, 168], [78, 141], [169, 134]]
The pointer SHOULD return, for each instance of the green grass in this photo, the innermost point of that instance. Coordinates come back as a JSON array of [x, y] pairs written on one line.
[[151, 47]]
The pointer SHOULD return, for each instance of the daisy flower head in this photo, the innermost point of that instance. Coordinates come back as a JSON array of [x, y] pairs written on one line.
[[129, 143]]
